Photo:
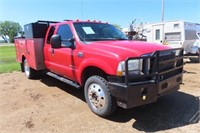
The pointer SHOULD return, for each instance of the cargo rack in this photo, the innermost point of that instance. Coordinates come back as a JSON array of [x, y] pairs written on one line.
[[67, 20], [47, 22]]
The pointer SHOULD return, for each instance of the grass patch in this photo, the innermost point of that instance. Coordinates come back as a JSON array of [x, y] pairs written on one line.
[[8, 59]]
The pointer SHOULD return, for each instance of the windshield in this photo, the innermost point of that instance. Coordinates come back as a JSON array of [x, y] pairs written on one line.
[[98, 32]]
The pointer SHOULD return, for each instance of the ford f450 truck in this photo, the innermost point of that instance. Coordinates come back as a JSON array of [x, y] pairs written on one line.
[[96, 56]]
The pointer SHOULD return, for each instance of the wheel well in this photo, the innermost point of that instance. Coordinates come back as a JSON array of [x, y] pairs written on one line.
[[22, 64], [23, 58], [90, 71]]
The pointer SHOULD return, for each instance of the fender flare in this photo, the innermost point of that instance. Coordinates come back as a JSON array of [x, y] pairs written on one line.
[[93, 62]]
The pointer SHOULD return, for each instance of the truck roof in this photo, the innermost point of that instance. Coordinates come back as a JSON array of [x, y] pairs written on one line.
[[76, 21]]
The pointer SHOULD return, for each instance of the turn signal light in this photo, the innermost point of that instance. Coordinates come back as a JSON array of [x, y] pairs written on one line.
[[119, 73]]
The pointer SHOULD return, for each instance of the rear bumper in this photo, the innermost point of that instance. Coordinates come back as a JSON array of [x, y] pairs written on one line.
[[132, 95]]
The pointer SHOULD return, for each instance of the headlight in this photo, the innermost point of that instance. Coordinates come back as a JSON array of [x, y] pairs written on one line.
[[134, 67]]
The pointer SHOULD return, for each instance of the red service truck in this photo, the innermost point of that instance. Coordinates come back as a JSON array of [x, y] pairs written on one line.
[[96, 56]]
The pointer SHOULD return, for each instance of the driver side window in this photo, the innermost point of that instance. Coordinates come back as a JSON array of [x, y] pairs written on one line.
[[51, 31], [65, 32]]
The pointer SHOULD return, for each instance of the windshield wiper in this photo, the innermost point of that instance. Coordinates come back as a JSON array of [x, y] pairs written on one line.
[[116, 39], [121, 39], [95, 39]]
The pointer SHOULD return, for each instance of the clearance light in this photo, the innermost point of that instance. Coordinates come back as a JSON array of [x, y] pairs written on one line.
[[77, 20], [94, 20], [99, 21], [88, 20], [121, 69], [144, 97], [119, 73]]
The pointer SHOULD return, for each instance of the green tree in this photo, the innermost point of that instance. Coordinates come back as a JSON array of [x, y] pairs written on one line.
[[118, 26], [9, 28]]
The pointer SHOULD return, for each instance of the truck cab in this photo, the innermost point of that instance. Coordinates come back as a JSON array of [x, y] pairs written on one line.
[[96, 56]]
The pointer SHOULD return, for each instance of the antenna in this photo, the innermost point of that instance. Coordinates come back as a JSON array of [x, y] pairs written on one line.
[[163, 8], [82, 8]]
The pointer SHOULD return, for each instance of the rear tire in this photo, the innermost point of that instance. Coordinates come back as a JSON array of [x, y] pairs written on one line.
[[98, 96], [22, 67], [29, 72]]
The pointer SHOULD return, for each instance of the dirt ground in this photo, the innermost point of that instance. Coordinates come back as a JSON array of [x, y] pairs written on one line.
[[47, 105]]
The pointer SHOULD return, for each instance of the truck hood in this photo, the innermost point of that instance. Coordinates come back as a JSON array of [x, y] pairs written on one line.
[[125, 49]]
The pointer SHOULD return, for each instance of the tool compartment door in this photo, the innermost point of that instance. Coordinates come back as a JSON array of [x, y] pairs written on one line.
[[35, 55]]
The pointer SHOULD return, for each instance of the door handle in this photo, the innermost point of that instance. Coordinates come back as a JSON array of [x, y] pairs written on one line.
[[52, 51]]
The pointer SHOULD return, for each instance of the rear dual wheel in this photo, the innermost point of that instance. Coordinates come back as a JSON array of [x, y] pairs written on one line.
[[29, 72]]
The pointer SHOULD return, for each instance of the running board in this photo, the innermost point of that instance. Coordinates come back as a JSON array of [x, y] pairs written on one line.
[[67, 81]]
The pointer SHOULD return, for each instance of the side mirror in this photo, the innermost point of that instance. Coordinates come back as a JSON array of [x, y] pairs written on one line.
[[56, 41], [72, 40]]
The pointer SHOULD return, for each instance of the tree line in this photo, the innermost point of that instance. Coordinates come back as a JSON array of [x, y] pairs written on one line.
[[10, 29]]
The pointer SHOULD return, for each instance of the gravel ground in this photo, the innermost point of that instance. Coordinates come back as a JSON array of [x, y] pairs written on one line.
[[47, 105]]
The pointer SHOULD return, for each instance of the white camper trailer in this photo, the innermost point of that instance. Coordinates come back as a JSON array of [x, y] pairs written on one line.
[[175, 34]]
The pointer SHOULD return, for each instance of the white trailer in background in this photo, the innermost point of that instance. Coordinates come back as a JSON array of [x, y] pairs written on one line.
[[175, 34]]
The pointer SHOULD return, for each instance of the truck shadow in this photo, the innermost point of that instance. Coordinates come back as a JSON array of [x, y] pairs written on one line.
[[51, 82], [188, 72], [170, 111], [193, 60]]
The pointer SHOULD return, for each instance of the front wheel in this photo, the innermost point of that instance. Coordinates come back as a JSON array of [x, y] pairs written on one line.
[[29, 72], [98, 96]]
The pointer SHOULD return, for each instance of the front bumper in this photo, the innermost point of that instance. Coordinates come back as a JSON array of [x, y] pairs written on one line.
[[161, 73], [129, 96]]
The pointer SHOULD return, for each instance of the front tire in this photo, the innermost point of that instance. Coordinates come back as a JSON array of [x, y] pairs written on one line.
[[29, 72], [98, 96]]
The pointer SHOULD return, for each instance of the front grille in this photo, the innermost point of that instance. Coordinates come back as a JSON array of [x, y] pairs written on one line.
[[166, 56]]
